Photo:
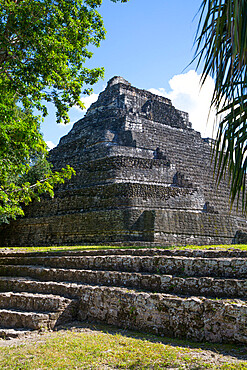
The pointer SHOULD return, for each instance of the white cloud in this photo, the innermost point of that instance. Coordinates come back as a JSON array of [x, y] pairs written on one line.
[[77, 113], [87, 101], [64, 124], [50, 145], [187, 94]]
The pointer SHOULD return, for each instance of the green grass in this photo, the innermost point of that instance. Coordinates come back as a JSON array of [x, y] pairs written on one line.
[[98, 350], [242, 247]]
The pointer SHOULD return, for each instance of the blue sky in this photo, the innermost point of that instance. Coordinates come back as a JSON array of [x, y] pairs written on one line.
[[150, 44]]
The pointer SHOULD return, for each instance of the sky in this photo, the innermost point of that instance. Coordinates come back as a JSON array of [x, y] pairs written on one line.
[[151, 44]]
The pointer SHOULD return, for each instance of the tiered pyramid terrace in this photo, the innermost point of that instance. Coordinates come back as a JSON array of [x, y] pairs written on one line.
[[143, 176]]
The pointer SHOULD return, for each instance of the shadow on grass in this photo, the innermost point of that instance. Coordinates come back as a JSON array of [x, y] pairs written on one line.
[[239, 352]]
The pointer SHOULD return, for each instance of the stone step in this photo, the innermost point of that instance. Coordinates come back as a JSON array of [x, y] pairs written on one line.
[[203, 286], [14, 333], [215, 320], [164, 293], [203, 253], [194, 318], [176, 265], [24, 284], [26, 308], [33, 301], [10, 318]]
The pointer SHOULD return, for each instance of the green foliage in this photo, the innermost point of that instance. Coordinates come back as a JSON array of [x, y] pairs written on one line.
[[222, 49], [39, 167], [43, 48], [43, 45], [24, 170]]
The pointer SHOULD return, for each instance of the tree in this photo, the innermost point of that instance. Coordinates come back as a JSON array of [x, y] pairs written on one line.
[[43, 49], [222, 49]]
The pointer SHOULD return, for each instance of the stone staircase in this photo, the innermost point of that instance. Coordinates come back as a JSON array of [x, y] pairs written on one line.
[[195, 294]]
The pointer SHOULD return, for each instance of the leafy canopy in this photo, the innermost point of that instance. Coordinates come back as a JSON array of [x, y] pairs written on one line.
[[24, 170], [43, 49], [222, 49]]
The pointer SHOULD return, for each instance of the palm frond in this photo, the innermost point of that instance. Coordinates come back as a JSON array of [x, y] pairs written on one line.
[[222, 49]]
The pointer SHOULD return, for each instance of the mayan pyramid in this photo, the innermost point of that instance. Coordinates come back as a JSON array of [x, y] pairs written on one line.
[[143, 176]]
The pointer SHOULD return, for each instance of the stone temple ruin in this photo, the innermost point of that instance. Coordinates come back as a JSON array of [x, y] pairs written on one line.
[[143, 176]]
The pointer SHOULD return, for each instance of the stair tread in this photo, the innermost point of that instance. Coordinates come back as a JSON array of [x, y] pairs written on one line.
[[129, 290], [7, 333], [123, 251], [28, 279], [20, 318], [224, 267], [125, 256], [26, 313], [35, 295], [142, 273]]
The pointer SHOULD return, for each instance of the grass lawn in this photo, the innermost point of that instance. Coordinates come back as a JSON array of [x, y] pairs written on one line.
[[99, 349], [88, 247]]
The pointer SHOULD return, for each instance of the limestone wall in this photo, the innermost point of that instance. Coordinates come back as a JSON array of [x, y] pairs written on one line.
[[199, 319]]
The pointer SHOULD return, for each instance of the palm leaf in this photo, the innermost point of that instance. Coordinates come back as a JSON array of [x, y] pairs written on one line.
[[222, 50]]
